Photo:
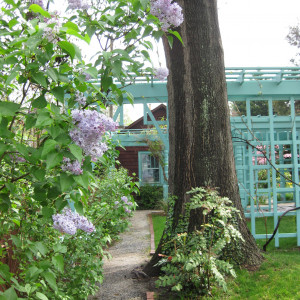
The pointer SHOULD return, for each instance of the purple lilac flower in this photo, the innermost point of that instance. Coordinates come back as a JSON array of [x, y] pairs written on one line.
[[17, 158], [73, 167], [80, 98], [90, 127], [161, 73], [127, 210], [168, 13], [64, 224], [124, 199], [69, 221], [130, 203], [116, 202], [52, 29], [77, 4]]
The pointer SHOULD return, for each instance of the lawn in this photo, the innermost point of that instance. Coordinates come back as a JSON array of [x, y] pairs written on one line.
[[279, 275]]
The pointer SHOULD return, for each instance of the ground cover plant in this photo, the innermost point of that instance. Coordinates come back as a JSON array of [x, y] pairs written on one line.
[[277, 278]]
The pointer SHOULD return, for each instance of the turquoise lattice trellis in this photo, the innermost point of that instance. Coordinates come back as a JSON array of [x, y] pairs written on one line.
[[265, 146]]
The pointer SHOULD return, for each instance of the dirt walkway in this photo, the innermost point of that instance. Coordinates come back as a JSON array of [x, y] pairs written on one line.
[[122, 279]]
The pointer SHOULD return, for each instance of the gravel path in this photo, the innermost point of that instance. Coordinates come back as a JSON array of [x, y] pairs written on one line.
[[122, 279]]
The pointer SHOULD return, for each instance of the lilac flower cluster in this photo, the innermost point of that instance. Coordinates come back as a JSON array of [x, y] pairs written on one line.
[[38, 2], [161, 73], [80, 98], [17, 158], [168, 13], [69, 222], [52, 29], [73, 167], [90, 126], [125, 200], [77, 4]]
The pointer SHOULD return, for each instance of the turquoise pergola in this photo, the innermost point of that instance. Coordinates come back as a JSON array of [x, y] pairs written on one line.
[[266, 147]]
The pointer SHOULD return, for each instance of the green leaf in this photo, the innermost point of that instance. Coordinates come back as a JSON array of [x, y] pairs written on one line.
[[66, 182], [38, 173], [106, 83], [3, 147], [12, 60], [130, 97], [51, 280], [11, 2], [16, 241], [12, 23], [59, 93], [117, 67], [53, 74], [67, 47], [4, 272], [146, 54], [92, 71], [43, 119], [41, 296], [58, 262], [22, 149], [175, 33], [144, 3], [47, 212], [147, 31], [10, 294], [53, 159], [85, 38], [79, 207], [71, 25], [76, 151], [41, 247], [11, 77], [170, 41], [37, 9], [48, 147], [8, 108], [39, 102], [82, 180], [30, 121], [40, 79], [60, 248]]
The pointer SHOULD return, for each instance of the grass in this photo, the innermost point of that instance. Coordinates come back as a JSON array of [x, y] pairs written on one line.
[[278, 276], [158, 227]]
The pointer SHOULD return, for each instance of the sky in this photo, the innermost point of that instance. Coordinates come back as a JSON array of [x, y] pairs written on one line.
[[254, 31]]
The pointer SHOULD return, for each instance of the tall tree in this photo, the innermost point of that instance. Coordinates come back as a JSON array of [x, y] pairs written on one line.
[[201, 151]]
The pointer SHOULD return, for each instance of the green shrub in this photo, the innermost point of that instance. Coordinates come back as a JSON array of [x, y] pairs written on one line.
[[194, 262], [150, 197]]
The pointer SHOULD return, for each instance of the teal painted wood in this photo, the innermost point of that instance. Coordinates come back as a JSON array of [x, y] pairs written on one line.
[[263, 192]]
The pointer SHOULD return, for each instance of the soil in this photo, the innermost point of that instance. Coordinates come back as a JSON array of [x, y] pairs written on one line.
[[123, 276]]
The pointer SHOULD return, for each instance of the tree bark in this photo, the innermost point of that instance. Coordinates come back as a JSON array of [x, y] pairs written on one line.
[[201, 151]]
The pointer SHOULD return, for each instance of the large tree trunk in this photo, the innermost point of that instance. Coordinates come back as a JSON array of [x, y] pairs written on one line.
[[201, 151]]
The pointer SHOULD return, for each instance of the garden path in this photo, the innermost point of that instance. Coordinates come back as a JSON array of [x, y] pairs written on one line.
[[122, 279]]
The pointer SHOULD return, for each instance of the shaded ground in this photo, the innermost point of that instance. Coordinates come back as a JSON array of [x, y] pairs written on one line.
[[123, 278]]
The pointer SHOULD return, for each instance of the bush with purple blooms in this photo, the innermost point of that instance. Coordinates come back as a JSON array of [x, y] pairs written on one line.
[[58, 186]]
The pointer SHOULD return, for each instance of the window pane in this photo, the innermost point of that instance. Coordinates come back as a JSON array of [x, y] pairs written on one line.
[[149, 169]]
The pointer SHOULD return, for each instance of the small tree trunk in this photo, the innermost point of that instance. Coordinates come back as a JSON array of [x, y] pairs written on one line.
[[201, 151]]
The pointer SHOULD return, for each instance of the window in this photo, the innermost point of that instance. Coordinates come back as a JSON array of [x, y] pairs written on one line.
[[149, 171]]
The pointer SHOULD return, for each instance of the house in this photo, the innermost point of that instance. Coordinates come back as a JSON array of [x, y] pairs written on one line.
[[136, 137]]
